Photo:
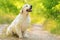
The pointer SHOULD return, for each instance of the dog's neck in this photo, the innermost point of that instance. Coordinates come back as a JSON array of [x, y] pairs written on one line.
[[24, 14]]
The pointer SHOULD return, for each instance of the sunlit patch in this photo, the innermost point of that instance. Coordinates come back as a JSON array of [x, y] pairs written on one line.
[[58, 6], [18, 4], [49, 24]]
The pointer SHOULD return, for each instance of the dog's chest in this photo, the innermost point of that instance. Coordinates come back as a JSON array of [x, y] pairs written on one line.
[[23, 21]]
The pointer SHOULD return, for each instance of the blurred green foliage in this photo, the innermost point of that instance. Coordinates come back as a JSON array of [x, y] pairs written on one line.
[[46, 12]]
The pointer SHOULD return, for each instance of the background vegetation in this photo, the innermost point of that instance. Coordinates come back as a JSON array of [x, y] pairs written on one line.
[[46, 12]]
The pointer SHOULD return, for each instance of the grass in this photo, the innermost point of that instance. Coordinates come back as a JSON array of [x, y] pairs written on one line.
[[6, 18]]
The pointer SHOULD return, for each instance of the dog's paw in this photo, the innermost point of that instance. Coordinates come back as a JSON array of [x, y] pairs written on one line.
[[20, 36]]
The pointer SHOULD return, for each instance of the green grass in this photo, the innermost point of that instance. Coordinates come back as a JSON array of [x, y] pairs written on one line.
[[6, 18]]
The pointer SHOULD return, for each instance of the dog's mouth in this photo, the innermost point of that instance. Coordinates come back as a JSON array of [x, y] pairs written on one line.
[[29, 10]]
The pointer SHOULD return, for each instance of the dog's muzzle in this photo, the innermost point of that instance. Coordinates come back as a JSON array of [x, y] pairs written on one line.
[[30, 9]]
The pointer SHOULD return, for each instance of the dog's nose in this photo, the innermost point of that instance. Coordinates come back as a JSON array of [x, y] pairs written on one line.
[[31, 6]]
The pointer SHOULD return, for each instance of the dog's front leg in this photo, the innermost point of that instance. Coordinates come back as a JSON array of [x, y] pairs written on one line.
[[9, 31], [20, 34], [18, 31]]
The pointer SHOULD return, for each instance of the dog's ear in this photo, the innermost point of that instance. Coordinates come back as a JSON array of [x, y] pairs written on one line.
[[21, 11]]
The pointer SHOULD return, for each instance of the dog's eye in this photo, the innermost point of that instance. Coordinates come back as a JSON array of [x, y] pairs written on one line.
[[26, 6]]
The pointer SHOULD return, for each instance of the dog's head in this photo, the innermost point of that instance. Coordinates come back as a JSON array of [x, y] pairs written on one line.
[[27, 8]]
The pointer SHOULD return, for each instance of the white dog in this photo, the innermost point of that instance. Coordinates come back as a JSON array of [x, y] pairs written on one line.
[[21, 22]]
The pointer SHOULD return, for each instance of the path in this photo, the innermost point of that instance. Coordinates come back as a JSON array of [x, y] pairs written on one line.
[[35, 33]]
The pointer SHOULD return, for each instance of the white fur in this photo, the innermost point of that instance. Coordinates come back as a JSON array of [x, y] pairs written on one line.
[[21, 23]]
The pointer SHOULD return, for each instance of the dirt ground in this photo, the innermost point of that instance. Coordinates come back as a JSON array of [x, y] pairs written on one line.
[[36, 33]]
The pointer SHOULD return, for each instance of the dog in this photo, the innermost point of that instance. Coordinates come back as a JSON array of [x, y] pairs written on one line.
[[21, 22]]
